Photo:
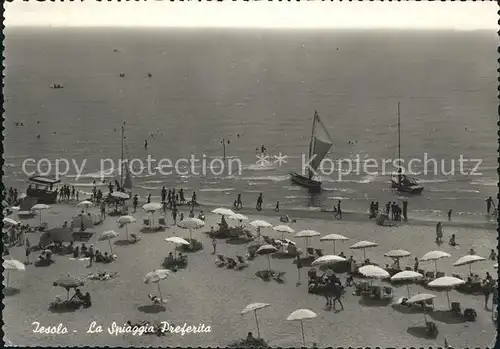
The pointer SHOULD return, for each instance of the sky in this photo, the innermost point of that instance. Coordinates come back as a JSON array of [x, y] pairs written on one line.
[[262, 14]]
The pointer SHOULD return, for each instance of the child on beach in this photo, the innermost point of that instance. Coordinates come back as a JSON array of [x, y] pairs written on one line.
[[449, 214], [452, 240], [277, 208], [214, 243]]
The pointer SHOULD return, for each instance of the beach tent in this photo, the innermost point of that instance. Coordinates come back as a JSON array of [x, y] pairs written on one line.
[[56, 234]]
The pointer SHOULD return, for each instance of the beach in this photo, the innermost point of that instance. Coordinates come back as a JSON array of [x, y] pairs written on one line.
[[205, 294]]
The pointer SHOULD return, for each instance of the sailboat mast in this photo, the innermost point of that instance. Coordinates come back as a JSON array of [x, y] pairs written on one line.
[[399, 134], [311, 144], [121, 164]]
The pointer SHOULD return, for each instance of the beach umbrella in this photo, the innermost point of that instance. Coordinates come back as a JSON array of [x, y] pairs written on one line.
[[397, 255], [40, 207], [9, 221], [260, 224], [266, 250], [155, 277], [363, 245], [223, 211], [12, 264], [334, 238], [374, 272], [468, 260], [68, 282], [108, 235], [405, 276], [152, 207], [328, 259], [191, 223], [283, 229], [307, 234], [434, 256], [301, 315], [86, 204], [239, 217], [177, 241], [421, 297], [120, 195], [254, 307], [126, 220], [446, 282]]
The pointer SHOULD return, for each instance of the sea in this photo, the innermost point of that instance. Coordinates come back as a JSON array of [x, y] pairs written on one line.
[[248, 88]]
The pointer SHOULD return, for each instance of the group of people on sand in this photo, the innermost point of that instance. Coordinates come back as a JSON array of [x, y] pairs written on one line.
[[82, 299], [67, 193], [171, 198], [12, 196]]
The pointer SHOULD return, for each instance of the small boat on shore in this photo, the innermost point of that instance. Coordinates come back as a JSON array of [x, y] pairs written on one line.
[[320, 144]]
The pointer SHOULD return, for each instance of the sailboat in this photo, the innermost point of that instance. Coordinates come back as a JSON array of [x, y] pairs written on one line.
[[125, 184], [320, 144], [399, 181]]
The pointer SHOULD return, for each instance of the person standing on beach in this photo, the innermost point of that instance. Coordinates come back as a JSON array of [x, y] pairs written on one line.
[[193, 199], [28, 252], [415, 266], [405, 210], [277, 208], [174, 214], [149, 198], [146, 144], [487, 291], [239, 204], [91, 255], [214, 244], [259, 202], [103, 211], [489, 202], [182, 200], [449, 214], [388, 208], [135, 202], [77, 195], [338, 214], [163, 193], [439, 232]]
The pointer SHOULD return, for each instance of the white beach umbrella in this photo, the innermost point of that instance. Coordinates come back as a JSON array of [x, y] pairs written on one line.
[[301, 315], [434, 256], [260, 224], [108, 235], [238, 217], [223, 211], [334, 238], [9, 221], [446, 282], [86, 204], [421, 297], [12, 264], [374, 272], [126, 220], [120, 195], [283, 229], [267, 250], [254, 307], [397, 254], [468, 260], [308, 233], [152, 207], [407, 275], [191, 223], [177, 241], [40, 207], [328, 259], [363, 245], [155, 277]]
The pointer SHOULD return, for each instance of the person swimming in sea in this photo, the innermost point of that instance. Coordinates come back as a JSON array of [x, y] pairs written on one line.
[[146, 144]]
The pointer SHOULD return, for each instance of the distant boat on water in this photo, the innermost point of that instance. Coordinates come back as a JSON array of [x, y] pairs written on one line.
[[399, 181], [56, 86], [319, 146]]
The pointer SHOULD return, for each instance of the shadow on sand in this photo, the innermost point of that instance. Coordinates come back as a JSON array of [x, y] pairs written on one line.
[[237, 241], [146, 230], [123, 242], [447, 317], [11, 291], [61, 310], [282, 255], [374, 302], [306, 261], [264, 275], [420, 332], [406, 309], [151, 308]]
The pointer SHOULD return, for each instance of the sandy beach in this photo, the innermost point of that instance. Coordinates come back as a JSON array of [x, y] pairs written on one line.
[[205, 294]]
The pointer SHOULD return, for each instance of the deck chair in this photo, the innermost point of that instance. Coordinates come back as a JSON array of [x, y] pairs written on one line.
[[146, 222], [278, 276], [242, 263], [386, 293], [409, 268], [439, 274], [231, 263], [162, 222], [421, 271], [429, 275], [310, 251], [455, 275], [319, 252], [267, 239], [429, 303], [249, 235], [220, 261], [455, 308]]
